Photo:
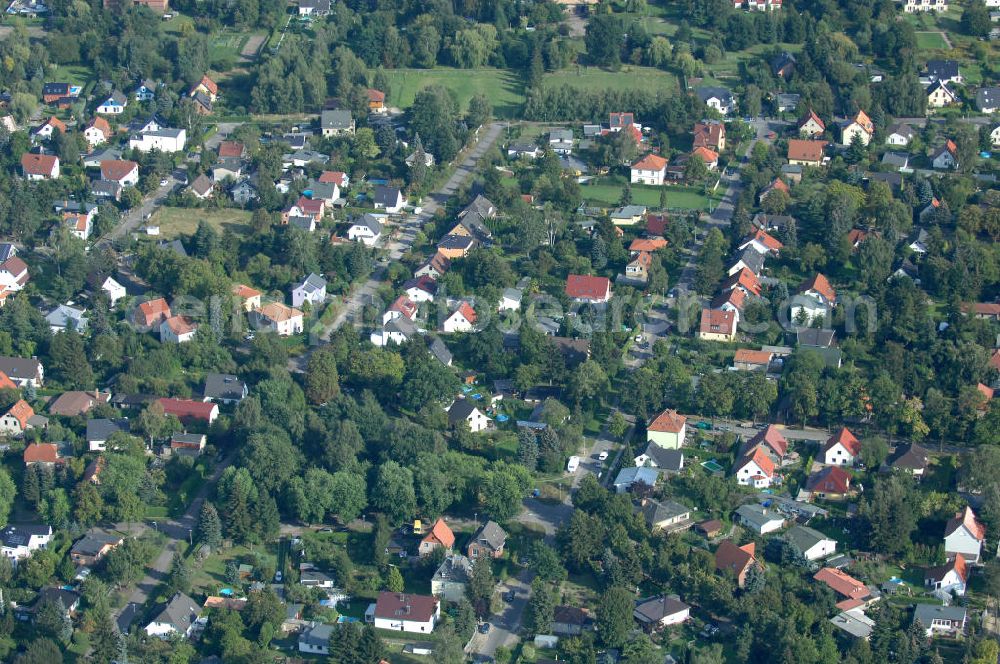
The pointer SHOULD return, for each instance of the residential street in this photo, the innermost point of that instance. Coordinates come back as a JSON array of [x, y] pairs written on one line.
[[177, 531]]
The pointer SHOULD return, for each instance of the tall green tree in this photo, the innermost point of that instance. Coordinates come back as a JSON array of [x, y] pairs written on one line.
[[614, 616]]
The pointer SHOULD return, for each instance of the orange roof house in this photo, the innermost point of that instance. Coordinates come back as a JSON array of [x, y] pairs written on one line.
[[376, 100], [745, 280], [748, 357], [152, 312], [44, 453], [709, 157], [772, 439], [806, 153], [651, 162], [718, 325], [648, 244], [590, 289], [440, 535], [842, 583], [737, 559], [16, 419], [6, 383], [710, 135], [819, 284], [811, 123], [669, 421], [966, 519], [841, 448]]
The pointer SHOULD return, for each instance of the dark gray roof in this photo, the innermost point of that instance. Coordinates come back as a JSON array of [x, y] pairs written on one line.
[[708, 91], [896, 159], [655, 511], [812, 336], [942, 68], [19, 367], [19, 535], [455, 568], [339, 119], [752, 259], [313, 283], [403, 325], [804, 538], [92, 543], [105, 188], [102, 428], [202, 185], [384, 195], [369, 221], [224, 386], [902, 129], [175, 246], [926, 613], [181, 611], [439, 350], [671, 460], [7, 250], [988, 98], [909, 456], [655, 609], [460, 410], [491, 535]]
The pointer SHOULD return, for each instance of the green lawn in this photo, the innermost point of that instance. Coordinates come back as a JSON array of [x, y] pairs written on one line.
[[927, 41], [629, 78], [606, 192], [503, 88], [184, 221], [76, 74]]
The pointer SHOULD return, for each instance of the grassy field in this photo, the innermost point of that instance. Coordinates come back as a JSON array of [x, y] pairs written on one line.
[[76, 74], [629, 78], [931, 41], [504, 88], [226, 45], [608, 193], [183, 221]]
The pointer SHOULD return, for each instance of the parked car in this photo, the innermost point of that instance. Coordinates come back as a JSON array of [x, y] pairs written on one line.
[[603, 456], [484, 628]]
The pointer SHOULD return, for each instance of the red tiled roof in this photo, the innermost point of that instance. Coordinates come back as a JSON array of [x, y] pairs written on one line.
[[56, 123], [708, 134], [651, 162], [376, 95], [405, 306], [706, 155], [957, 564], [21, 412], [736, 558], [244, 291], [400, 606], [467, 312], [768, 240], [772, 438], [647, 244], [209, 84], [188, 409], [333, 177], [983, 308], [278, 312], [832, 479], [718, 321], [669, 421], [41, 453], [734, 297], [17, 268], [951, 147], [116, 169], [38, 164], [842, 583], [986, 391], [801, 150], [966, 518], [819, 284], [748, 356], [656, 224], [759, 457], [745, 278], [231, 149], [856, 236], [6, 383], [811, 115], [440, 533], [587, 287], [845, 438], [181, 325], [152, 312], [866, 122], [101, 125]]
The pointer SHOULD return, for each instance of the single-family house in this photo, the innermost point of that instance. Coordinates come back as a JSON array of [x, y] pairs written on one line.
[[279, 318], [842, 449], [786, 102], [17, 419], [435, 267], [950, 577], [988, 99], [439, 536], [178, 330], [755, 469], [651, 169], [124, 172], [146, 90], [403, 612], [738, 560], [964, 534], [708, 157], [202, 188], [36, 166], [397, 330], [627, 215], [860, 126], [488, 541], [855, 593], [759, 519], [192, 444], [96, 132], [77, 402], [637, 268], [561, 141], [23, 372], [152, 312], [463, 319], [717, 98], [64, 317], [899, 134], [747, 359], [205, 86], [667, 430], [315, 638], [312, 290], [762, 242], [711, 135], [629, 477], [592, 290], [718, 325], [366, 229], [114, 290], [656, 613], [805, 152], [523, 150], [42, 454], [946, 71], [113, 104], [178, 616], [945, 157], [451, 578], [831, 483], [388, 198], [776, 185], [336, 122], [224, 388], [464, 410], [568, 621], [939, 95], [667, 516], [93, 546], [17, 542], [783, 64], [935, 619], [99, 430], [47, 129], [810, 125], [188, 410], [908, 458], [164, 139], [810, 543], [670, 461], [420, 289]]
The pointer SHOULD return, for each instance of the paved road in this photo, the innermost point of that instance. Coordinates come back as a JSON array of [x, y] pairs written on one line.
[[134, 217], [353, 305], [222, 131], [178, 532]]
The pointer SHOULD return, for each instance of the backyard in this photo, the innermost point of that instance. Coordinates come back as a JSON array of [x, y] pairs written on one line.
[[608, 192], [174, 222], [628, 78], [504, 89]]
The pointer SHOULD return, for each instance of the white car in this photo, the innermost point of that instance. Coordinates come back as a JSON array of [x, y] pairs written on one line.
[[163, 182], [603, 456]]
